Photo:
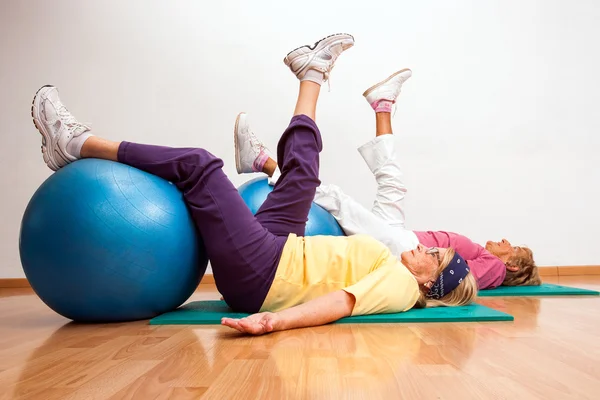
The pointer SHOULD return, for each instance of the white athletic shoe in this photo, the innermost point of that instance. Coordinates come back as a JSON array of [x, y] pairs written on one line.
[[320, 56], [248, 149], [388, 89], [57, 126]]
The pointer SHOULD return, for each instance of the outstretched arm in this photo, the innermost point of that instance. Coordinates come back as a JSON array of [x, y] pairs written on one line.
[[319, 311], [388, 289]]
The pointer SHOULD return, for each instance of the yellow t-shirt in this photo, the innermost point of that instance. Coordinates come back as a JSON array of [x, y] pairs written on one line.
[[360, 265]]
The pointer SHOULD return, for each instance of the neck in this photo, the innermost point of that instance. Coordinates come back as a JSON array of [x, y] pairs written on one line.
[[503, 257]]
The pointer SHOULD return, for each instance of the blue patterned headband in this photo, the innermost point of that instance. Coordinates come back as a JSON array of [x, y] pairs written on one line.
[[450, 278]]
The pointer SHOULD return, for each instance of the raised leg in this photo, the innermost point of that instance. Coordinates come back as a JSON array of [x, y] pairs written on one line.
[[286, 208], [380, 154], [243, 254], [356, 219]]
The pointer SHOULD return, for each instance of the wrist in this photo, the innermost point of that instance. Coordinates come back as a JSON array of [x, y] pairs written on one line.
[[280, 322]]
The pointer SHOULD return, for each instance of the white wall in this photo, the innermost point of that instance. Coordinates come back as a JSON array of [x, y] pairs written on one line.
[[498, 127]]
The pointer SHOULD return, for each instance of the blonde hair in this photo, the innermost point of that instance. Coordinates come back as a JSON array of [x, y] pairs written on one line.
[[527, 274], [463, 294]]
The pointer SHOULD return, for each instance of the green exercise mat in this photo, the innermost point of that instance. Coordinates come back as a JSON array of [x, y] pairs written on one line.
[[545, 289], [210, 313]]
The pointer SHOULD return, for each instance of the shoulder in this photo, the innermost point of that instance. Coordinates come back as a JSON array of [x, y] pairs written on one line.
[[390, 288]]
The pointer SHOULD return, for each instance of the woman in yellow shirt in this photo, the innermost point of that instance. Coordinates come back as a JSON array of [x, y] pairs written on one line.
[[262, 264]]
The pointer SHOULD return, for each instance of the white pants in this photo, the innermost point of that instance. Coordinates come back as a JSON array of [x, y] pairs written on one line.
[[385, 220]]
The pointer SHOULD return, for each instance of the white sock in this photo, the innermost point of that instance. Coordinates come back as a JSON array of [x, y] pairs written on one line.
[[75, 145], [273, 179], [314, 76]]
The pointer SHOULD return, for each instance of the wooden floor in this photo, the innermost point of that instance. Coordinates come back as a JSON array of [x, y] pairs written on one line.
[[550, 351]]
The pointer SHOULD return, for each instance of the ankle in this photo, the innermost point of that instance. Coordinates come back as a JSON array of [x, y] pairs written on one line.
[[313, 75], [307, 99], [260, 161], [382, 106], [383, 123], [95, 147], [75, 146], [269, 167], [87, 148]]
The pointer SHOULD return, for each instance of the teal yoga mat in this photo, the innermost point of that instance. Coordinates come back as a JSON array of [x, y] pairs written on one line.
[[210, 313], [545, 289]]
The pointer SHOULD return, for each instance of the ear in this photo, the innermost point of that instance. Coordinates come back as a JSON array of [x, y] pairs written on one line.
[[512, 268]]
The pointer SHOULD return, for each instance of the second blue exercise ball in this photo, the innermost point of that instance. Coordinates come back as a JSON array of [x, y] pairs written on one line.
[[104, 242], [320, 221]]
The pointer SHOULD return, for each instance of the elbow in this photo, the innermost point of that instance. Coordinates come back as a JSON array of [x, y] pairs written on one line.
[[346, 304]]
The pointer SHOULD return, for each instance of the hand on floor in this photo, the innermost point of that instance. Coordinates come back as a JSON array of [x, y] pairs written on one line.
[[255, 324]]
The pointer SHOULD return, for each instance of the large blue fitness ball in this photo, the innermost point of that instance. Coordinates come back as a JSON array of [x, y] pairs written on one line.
[[102, 242], [320, 221]]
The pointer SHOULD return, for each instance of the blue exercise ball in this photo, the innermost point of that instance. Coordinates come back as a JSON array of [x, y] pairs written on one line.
[[320, 221], [105, 242]]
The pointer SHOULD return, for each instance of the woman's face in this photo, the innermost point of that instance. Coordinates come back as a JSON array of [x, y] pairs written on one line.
[[423, 263], [502, 249], [505, 251]]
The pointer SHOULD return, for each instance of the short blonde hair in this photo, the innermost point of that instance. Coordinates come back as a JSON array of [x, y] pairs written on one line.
[[527, 274], [465, 293]]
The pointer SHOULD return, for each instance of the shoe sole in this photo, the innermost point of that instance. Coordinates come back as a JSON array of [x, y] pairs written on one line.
[[238, 163], [321, 43], [47, 139], [383, 82]]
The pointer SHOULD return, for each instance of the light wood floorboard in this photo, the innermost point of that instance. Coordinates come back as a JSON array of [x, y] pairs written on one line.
[[550, 351]]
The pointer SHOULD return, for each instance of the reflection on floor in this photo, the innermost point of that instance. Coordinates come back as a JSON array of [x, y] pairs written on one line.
[[550, 351]]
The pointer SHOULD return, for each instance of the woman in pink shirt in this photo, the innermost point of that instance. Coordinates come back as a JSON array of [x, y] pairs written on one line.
[[499, 263]]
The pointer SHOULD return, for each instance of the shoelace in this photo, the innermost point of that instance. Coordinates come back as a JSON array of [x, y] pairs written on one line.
[[254, 142], [328, 71], [326, 76], [68, 119]]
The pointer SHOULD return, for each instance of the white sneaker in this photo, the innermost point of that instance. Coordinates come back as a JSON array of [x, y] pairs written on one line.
[[57, 126], [320, 56], [388, 89], [249, 151]]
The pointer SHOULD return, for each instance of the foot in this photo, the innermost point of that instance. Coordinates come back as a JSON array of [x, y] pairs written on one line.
[[62, 134], [250, 153], [320, 56], [388, 89]]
